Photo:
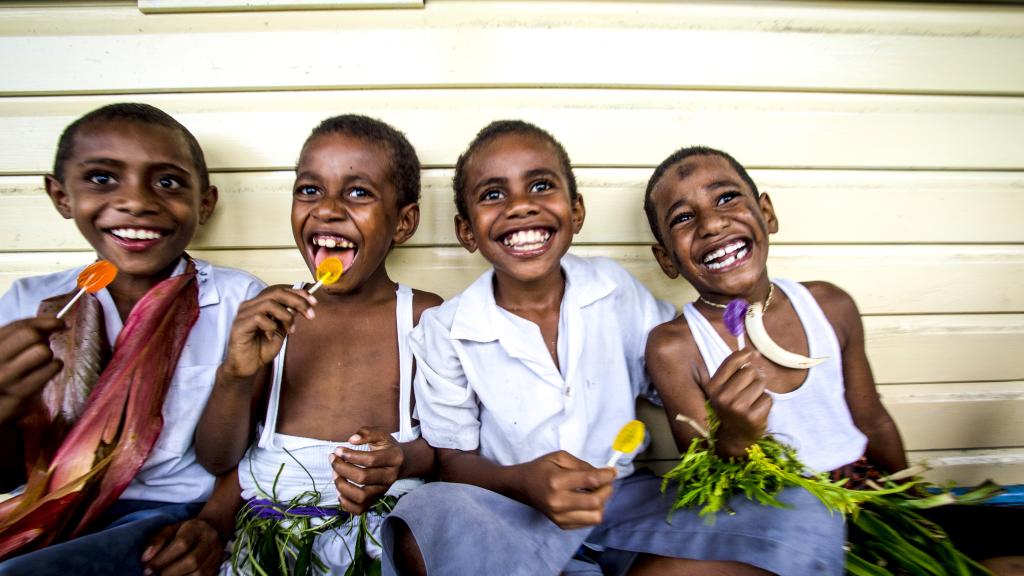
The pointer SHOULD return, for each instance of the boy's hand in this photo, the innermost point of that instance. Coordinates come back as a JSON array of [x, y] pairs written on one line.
[[189, 547], [26, 362], [737, 394], [362, 478], [569, 491], [261, 326]]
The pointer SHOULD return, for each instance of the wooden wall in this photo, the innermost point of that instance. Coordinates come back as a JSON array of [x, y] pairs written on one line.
[[891, 137]]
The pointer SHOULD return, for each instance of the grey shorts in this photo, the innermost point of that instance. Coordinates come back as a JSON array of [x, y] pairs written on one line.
[[463, 529]]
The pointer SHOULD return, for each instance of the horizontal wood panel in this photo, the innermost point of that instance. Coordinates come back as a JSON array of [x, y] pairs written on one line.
[[977, 429], [815, 207], [902, 349], [850, 47], [882, 279], [264, 131]]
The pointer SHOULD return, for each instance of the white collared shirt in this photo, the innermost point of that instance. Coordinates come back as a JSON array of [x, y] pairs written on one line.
[[171, 472], [485, 378]]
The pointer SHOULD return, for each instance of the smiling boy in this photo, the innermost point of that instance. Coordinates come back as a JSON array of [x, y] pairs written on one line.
[[138, 355]]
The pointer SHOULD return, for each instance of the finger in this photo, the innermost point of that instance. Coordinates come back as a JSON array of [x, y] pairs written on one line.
[[578, 518], [158, 541], [271, 328], [383, 476], [173, 550], [33, 382], [32, 359], [575, 480], [370, 435], [356, 500], [732, 364], [383, 458], [21, 337], [567, 461]]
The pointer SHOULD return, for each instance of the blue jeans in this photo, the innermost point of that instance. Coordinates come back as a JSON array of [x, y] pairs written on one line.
[[116, 548]]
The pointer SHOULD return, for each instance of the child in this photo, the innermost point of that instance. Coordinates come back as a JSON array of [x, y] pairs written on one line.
[[135, 182], [712, 227], [525, 379], [328, 394]]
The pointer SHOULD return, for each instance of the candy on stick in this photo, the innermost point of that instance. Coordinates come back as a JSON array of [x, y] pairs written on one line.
[[327, 272], [733, 316], [627, 440], [94, 278]]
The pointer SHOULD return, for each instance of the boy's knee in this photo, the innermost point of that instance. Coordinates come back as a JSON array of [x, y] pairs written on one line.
[[405, 551]]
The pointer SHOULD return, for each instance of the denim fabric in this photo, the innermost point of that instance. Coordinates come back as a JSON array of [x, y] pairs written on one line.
[[462, 529], [115, 549]]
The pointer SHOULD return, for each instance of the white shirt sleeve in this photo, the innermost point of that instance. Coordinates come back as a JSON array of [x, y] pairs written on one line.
[[445, 403], [649, 313]]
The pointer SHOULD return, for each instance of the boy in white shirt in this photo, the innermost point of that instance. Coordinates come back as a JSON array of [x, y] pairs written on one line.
[[142, 350], [523, 381]]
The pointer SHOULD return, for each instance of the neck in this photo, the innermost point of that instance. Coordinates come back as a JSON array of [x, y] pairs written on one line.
[[711, 301], [526, 297], [126, 290], [378, 285]]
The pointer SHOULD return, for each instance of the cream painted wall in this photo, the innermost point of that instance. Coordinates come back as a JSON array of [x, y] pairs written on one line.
[[889, 136]]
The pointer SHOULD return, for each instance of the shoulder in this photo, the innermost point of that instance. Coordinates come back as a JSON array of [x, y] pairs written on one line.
[[229, 279], [422, 301], [23, 297], [436, 315], [837, 305], [670, 340]]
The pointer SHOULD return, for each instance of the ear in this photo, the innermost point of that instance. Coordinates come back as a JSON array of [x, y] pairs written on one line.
[[665, 261], [768, 213], [579, 213], [207, 203], [58, 195], [408, 222], [464, 231]]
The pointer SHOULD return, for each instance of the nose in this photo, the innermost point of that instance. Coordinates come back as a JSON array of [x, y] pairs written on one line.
[[520, 206], [136, 198], [330, 208], [712, 223]]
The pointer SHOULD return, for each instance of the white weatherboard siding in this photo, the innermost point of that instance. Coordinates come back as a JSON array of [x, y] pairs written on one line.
[[888, 135]]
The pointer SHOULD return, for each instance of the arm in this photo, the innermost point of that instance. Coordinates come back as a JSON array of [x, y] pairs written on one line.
[[567, 490], [736, 390], [196, 545], [885, 447], [223, 432]]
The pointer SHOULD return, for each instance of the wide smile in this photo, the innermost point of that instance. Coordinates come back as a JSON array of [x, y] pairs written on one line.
[[728, 256], [527, 242], [323, 245], [136, 239]]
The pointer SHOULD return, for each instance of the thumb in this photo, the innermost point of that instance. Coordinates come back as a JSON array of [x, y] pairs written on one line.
[[158, 541], [375, 437]]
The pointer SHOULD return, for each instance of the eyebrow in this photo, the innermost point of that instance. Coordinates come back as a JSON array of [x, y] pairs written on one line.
[[672, 209], [724, 183], [121, 164], [540, 172], [493, 180]]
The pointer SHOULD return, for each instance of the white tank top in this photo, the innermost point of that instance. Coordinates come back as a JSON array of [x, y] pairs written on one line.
[[306, 463], [814, 419]]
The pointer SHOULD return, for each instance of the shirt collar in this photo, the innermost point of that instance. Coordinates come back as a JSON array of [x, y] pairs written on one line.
[[477, 317]]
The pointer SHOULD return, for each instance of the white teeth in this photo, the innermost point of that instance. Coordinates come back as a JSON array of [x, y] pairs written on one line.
[[724, 250], [136, 233], [332, 242], [727, 261], [525, 240]]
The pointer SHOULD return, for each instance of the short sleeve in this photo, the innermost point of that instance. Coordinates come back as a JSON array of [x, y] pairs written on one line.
[[649, 312], [446, 406]]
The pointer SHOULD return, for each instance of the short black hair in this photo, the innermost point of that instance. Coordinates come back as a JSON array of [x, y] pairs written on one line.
[[677, 157], [501, 128], [405, 164], [131, 112]]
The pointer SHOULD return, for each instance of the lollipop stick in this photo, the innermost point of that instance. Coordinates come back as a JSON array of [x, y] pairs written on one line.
[[67, 306], [614, 459], [316, 286], [740, 342]]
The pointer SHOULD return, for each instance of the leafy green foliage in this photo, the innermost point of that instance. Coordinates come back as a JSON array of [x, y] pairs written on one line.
[[886, 536]]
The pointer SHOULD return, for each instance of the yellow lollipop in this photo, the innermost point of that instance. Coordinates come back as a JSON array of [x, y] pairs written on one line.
[[327, 273], [627, 440]]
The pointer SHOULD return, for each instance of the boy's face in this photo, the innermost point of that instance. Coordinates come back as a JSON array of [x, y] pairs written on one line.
[[132, 189], [715, 232], [344, 204], [520, 215]]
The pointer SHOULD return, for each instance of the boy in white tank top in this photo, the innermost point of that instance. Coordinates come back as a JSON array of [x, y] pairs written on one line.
[[326, 394], [712, 227]]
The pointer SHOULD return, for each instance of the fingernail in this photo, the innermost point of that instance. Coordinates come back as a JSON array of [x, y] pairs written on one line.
[[339, 452], [310, 313], [354, 438], [147, 572], [312, 300]]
